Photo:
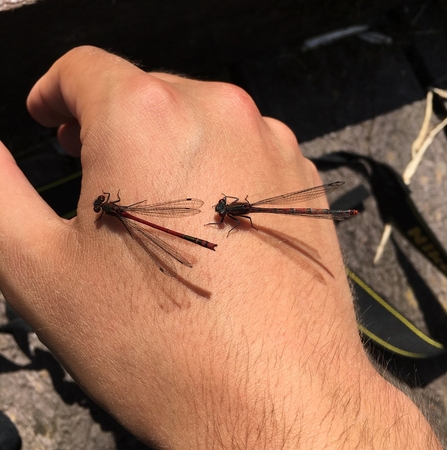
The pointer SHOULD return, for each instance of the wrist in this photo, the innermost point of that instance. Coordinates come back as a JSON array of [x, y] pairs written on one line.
[[271, 390]]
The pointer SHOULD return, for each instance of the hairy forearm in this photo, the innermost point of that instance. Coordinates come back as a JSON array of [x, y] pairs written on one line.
[[260, 404]]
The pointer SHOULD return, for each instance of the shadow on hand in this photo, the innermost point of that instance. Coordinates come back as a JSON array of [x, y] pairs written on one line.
[[304, 255]]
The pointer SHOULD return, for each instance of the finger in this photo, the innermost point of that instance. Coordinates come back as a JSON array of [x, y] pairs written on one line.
[[76, 85], [68, 136]]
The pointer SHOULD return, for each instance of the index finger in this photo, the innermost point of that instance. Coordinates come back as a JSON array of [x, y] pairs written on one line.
[[74, 86]]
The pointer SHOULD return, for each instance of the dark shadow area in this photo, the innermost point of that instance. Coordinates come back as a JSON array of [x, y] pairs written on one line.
[[325, 90], [350, 81], [434, 314], [203, 39], [9, 434], [415, 373]]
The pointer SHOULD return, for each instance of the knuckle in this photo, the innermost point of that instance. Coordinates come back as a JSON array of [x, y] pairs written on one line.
[[283, 131], [150, 96], [234, 98], [311, 168]]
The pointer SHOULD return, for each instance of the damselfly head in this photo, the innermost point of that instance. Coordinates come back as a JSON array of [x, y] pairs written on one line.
[[221, 206], [98, 202]]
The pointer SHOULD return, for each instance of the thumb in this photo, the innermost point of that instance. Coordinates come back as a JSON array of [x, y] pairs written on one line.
[[25, 219]]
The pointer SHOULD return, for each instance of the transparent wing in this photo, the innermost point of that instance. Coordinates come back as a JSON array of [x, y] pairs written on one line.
[[300, 196], [331, 214], [160, 252], [176, 208]]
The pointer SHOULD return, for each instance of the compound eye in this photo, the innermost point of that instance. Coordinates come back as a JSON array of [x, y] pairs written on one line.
[[98, 202]]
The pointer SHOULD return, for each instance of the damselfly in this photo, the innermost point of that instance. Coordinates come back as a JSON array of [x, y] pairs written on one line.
[[160, 252], [243, 209]]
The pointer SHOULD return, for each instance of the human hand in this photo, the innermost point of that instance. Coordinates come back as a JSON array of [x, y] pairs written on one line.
[[253, 334]]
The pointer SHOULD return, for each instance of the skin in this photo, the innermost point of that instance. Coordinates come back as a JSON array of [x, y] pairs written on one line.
[[256, 346]]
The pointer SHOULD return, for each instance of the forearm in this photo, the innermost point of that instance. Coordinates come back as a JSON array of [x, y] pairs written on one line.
[[259, 395]]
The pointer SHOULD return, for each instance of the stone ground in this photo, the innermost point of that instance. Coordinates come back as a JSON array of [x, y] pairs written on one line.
[[350, 95]]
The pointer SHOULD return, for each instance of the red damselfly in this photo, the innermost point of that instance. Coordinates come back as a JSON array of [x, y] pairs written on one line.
[[160, 252], [243, 209]]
